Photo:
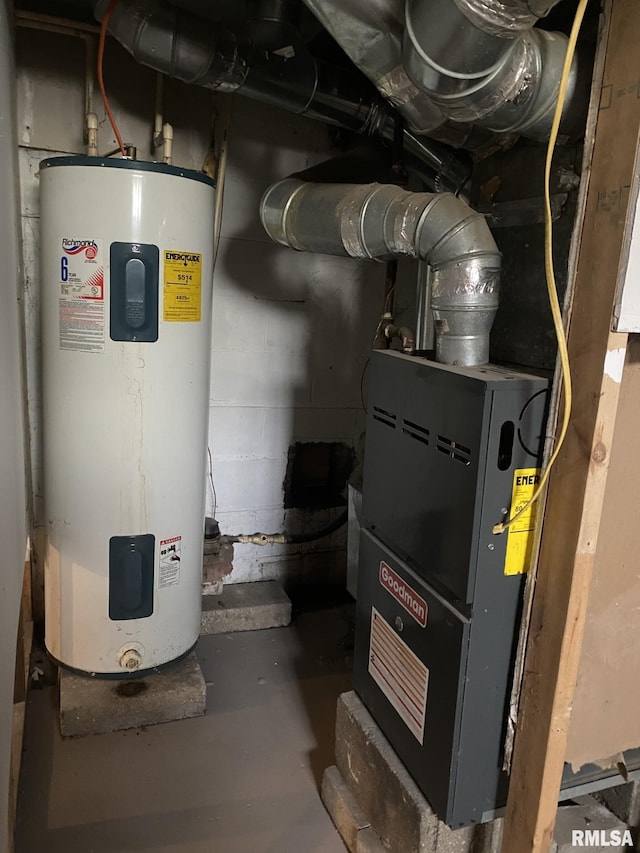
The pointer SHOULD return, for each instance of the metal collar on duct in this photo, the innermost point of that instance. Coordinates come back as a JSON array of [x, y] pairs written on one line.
[[381, 221], [269, 61]]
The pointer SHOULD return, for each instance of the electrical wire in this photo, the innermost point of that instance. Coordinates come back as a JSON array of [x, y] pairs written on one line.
[[550, 273], [107, 107], [213, 488]]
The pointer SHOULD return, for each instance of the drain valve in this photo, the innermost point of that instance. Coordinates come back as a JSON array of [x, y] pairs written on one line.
[[130, 659]]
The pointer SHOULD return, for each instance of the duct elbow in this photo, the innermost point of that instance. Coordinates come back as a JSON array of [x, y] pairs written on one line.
[[450, 230], [379, 221], [465, 263], [500, 73]]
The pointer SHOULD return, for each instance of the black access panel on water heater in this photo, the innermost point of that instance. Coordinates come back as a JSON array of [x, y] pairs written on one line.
[[448, 451]]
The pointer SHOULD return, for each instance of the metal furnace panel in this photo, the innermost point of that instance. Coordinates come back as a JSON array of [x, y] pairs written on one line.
[[431, 439], [440, 645], [430, 515]]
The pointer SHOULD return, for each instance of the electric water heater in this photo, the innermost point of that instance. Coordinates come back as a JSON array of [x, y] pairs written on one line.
[[126, 274]]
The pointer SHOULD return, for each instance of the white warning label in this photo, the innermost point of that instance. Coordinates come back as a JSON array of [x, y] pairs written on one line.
[[401, 676], [81, 294], [169, 573]]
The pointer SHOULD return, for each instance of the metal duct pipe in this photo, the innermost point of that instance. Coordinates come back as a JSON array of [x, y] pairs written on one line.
[[380, 221], [274, 10], [370, 33], [270, 63], [261, 61], [480, 61]]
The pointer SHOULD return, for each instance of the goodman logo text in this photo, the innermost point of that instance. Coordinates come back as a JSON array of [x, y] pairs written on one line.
[[601, 838], [402, 592]]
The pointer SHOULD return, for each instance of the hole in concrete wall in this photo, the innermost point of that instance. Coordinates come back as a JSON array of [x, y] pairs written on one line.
[[317, 474]]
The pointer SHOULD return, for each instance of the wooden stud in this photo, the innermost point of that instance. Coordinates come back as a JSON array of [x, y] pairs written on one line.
[[577, 484]]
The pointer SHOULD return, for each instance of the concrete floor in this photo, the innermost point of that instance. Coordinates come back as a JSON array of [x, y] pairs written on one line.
[[242, 779]]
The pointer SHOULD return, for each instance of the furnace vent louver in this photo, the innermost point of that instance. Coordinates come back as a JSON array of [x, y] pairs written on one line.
[[384, 417], [416, 431], [454, 450]]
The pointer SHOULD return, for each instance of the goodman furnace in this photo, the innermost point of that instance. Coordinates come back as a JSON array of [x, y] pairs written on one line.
[[450, 451]]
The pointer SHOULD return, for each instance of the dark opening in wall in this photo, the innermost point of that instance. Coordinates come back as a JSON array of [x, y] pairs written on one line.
[[317, 474]]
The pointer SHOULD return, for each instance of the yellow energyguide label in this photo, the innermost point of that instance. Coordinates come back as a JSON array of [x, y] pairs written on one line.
[[182, 287], [520, 534]]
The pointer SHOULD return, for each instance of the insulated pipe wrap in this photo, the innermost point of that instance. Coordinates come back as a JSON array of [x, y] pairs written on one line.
[[505, 18], [379, 221]]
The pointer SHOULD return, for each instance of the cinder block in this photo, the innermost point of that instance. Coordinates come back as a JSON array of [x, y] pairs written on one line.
[[368, 842], [623, 801], [345, 812], [90, 706], [282, 427], [400, 816], [214, 588], [243, 378], [251, 483], [235, 521], [591, 817], [246, 607], [239, 320], [235, 432]]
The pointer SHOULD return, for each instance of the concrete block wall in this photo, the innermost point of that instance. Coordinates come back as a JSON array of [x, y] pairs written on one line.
[[291, 334], [291, 331]]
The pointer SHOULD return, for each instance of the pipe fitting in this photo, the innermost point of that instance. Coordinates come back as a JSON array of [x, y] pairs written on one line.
[[131, 660], [404, 334], [480, 61], [91, 134], [167, 142]]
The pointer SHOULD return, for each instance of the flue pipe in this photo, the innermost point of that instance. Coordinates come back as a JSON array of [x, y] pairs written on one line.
[[379, 221]]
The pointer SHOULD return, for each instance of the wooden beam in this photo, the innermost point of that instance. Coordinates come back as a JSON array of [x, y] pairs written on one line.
[[577, 484]]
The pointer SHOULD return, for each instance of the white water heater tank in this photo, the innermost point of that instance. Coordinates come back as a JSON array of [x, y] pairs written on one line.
[[126, 272]]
